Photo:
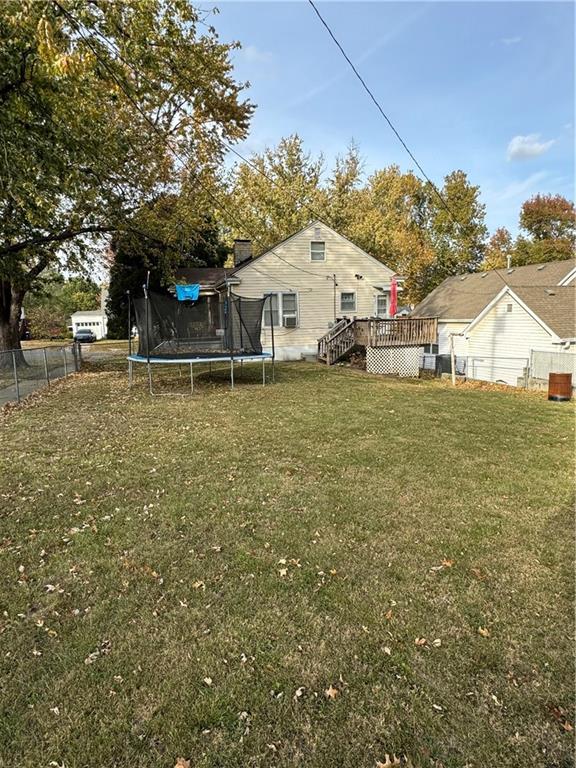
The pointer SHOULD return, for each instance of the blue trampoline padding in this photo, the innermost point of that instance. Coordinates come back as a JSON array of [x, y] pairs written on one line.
[[217, 359], [188, 292]]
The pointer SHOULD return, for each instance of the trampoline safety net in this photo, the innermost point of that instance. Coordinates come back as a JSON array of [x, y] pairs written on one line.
[[211, 326]]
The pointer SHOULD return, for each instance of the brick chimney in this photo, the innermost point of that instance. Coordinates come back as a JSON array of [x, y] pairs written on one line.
[[242, 251]]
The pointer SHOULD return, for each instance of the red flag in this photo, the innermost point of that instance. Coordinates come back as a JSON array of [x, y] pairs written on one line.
[[393, 297]]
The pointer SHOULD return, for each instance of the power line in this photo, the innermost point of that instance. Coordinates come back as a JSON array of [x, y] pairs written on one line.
[[154, 127], [381, 110]]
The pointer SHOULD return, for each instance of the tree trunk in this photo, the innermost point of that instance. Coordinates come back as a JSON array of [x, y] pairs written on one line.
[[11, 299]]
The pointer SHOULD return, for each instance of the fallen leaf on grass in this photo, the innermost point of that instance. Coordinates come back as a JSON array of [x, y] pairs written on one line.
[[283, 571], [391, 760], [198, 585], [484, 631], [420, 641], [331, 692], [299, 693], [447, 563], [388, 614], [181, 762], [207, 681]]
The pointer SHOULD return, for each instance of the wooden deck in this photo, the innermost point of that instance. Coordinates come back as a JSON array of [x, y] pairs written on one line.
[[349, 334]]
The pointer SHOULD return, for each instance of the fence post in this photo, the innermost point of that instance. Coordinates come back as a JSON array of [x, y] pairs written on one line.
[[46, 367], [65, 366], [16, 382]]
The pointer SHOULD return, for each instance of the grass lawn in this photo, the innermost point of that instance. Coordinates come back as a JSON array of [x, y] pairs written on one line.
[[315, 573]]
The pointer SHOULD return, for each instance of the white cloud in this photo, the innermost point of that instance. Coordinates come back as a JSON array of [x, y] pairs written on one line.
[[253, 54], [510, 40], [522, 147]]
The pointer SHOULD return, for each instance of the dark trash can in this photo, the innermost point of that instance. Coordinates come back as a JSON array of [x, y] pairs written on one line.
[[443, 364]]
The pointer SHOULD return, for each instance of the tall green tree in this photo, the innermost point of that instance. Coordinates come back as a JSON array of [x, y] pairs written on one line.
[[274, 195], [548, 230], [97, 102], [456, 229], [171, 240]]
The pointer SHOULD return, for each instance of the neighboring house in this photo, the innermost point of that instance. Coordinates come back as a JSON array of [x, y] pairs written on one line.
[[314, 277], [94, 319], [498, 318]]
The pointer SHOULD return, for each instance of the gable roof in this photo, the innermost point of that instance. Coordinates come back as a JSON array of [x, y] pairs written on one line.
[[315, 223], [555, 306], [463, 297], [204, 276]]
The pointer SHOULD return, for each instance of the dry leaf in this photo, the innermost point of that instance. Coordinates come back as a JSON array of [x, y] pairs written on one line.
[[567, 726], [207, 680], [484, 631], [391, 760], [437, 643], [299, 693], [331, 692], [198, 585], [447, 563], [420, 641], [388, 614], [283, 571], [387, 651], [181, 762]]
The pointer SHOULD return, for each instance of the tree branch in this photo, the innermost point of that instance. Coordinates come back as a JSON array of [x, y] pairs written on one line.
[[60, 237], [7, 88]]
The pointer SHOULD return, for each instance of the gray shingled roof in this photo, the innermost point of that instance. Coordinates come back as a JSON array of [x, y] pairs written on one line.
[[555, 306], [205, 276], [464, 296]]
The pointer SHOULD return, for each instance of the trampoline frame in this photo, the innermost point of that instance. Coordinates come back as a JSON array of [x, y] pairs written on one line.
[[192, 361]]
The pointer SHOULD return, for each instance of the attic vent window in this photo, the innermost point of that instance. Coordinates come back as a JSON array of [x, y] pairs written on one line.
[[317, 233], [508, 307]]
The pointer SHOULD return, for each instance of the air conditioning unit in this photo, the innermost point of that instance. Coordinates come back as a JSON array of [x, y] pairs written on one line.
[[290, 322]]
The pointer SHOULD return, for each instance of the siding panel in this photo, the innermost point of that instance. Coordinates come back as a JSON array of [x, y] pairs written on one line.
[[290, 269]]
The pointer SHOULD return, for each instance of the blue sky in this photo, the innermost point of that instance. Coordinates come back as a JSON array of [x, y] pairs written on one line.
[[486, 87]]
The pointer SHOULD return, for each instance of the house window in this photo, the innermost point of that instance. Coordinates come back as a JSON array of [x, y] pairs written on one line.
[[281, 310], [348, 301], [381, 305], [317, 250], [431, 349]]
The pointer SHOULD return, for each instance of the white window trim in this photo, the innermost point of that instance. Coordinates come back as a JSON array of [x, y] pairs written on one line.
[[387, 297], [355, 301], [281, 314], [317, 261]]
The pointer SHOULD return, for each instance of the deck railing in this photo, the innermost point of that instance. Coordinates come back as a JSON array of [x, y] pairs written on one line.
[[397, 332], [376, 332]]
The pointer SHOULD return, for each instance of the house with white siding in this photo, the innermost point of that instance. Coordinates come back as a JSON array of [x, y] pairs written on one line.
[[315, 277], [497, 319]]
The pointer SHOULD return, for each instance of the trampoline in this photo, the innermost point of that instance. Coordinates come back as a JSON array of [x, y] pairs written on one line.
[[189, 329]]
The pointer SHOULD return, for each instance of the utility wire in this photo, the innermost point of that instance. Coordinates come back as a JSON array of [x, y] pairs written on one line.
[[177, 156], [384, 115]]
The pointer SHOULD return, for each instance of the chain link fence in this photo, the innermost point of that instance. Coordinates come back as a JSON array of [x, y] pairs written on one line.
[[23, 371]]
